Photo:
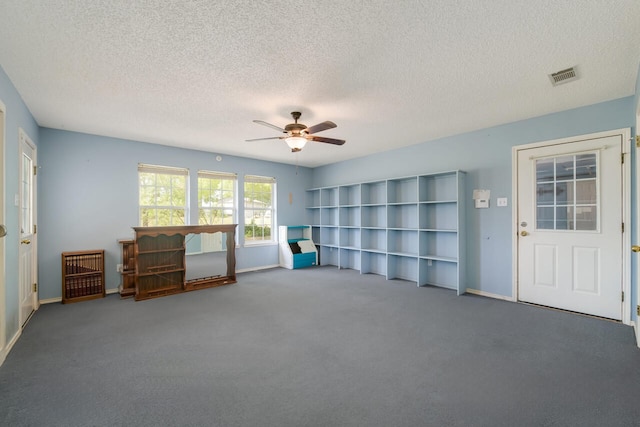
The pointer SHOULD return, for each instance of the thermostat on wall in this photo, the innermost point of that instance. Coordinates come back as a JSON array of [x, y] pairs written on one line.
[[482, 203]]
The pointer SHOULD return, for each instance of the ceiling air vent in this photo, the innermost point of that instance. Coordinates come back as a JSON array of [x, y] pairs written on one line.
[[563, 76]]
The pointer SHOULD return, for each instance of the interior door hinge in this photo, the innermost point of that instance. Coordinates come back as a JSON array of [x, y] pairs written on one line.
[[35, 229], [623, 227], [35, 170], [638, 310], [35, 287], [622, 296], [637, 140], [622, 158]]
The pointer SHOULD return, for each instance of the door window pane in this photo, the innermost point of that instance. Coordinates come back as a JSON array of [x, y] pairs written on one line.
[[544, 170], [586, 166], [586, 192], [545, 194], [564, 193], [564, 168], [545, 218], [586, 218], [564, 218]]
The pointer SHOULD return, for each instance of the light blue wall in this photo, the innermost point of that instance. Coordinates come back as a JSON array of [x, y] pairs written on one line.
[[486, 157], [88, 194], [17, 116]]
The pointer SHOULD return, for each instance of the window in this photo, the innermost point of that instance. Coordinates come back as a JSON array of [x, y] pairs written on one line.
[[163, 195], [216, 198], [567, 193], [259, 211]]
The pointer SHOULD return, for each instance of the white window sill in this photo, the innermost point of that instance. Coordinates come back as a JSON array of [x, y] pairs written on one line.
[[253, 245]]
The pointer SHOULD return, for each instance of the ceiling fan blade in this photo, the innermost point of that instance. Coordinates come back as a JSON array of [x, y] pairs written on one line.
[[327, 140], [321, 126], [260, 122], [263, 139]]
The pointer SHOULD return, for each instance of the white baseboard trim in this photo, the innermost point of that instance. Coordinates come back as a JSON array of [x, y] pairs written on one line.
[[59, 299], [5, 351], [263, 267], [490, 295]]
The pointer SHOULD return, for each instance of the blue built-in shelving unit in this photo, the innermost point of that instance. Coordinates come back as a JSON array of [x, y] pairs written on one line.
[[409, 228]]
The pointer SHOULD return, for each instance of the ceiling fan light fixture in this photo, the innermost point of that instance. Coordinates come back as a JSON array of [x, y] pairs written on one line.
[[295, 142]]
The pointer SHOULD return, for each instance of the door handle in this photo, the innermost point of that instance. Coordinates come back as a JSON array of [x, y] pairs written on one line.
[[25, 241], [635, 248], [3, 230], [524, 233]]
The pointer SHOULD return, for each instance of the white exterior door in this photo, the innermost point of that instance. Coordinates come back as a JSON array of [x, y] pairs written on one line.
[[28, 242], [569, 224]]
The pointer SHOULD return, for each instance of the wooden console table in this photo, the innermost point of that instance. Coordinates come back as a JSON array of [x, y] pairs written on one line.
[[160, 262]]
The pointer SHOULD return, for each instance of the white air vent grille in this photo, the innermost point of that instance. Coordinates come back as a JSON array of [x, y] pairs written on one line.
[[563, 76]]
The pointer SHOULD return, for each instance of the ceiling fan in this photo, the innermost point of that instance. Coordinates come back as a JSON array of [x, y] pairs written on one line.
[[297, 134]]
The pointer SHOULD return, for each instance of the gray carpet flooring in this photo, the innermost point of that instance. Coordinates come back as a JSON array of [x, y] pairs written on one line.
[[319, 347]]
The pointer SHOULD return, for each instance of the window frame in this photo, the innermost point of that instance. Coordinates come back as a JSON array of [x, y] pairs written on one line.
[[223, 176], [163, 170], [248, 179]]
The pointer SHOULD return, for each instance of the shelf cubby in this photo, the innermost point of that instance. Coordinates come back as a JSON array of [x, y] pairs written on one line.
[[328, 255], [439, 245], [373, 262], [438, 216], [439, 273], [349, 195], [374, 193], [374, 240], [402, 242], [402, 190], [329, 197], [402, 216], [349, 258], [402, 267], [312, 198], [329, 236], [350, 216], [350, 238], [329, 216], [438, 187], [374, 216]]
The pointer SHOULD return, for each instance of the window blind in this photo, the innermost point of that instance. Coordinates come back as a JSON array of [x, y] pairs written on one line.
[[166, 170], [260, 179], [217, 175]]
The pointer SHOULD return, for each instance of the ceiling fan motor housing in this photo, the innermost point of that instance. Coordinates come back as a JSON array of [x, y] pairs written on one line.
[[295, 128]]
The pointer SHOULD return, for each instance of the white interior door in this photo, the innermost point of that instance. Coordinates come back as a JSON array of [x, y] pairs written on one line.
[[3, 232], [28, 241], [570, 226]]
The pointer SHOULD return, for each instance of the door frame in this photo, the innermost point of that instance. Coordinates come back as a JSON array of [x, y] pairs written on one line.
[[3, 277], [637, 236], [23, 136], [625, 134]]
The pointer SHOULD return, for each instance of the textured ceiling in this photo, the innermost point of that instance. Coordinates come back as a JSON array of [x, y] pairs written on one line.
[[195, 74]]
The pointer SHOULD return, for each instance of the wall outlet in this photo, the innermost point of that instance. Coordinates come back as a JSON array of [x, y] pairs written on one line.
[[119, 268], [502, 201]]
